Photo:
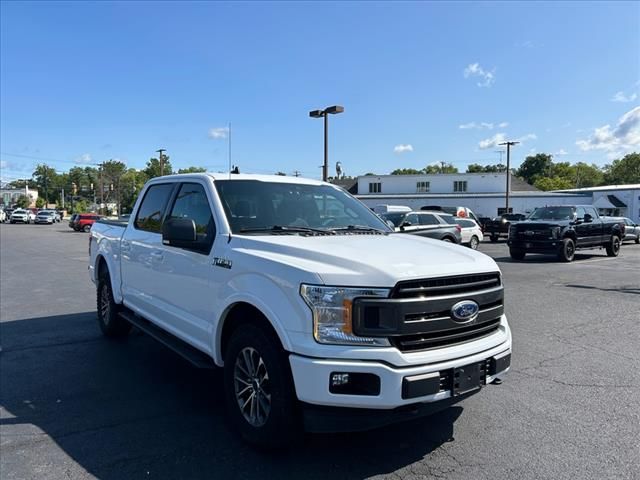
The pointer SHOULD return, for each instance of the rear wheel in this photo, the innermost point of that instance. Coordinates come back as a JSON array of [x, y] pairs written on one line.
[[111, 324], [86, 228], [567, 251], [638, 239], [517, 254], [447, 239], [494, 238], [474, 242], [259, 388], [613, 247]]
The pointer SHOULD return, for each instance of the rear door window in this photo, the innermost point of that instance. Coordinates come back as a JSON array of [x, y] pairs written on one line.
[[428, 219], [151, 211]]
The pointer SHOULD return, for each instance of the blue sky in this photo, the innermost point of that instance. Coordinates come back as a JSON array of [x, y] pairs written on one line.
[[420, 82]]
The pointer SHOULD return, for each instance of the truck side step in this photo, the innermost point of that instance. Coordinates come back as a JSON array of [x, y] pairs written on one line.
[[193, 355]]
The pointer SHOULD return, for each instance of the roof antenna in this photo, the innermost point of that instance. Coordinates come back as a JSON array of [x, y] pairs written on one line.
[[229, 147]]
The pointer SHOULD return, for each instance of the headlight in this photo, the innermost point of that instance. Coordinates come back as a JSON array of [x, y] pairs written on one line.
[[555, 232], [331, 308]]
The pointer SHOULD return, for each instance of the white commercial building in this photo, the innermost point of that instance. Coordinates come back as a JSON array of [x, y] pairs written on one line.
[[614, 200], [484, 193], [9, 196]]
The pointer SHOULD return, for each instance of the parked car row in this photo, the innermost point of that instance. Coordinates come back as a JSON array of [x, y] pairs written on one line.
[[30, 215]]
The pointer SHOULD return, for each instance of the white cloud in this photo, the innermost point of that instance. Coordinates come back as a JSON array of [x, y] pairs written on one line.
[[84, 159], [3, 164], [624, 137], [499, 138], [217, 133], [485, 77], [560, 152], [492, 142], [622, 98], [482, 125], [403, 148]]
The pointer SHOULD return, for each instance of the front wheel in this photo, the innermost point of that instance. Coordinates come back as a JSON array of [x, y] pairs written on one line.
[[567, 251], [494, 238], [473, 244], [613, 247], [517, 254], [86, 228], [111, 324], [259, 388]]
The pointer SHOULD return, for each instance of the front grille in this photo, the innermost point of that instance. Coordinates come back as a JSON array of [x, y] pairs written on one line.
[[435, 287], [445, 338]]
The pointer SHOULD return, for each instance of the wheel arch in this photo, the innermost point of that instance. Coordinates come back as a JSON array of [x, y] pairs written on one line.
[[101, 264], [240, 313]]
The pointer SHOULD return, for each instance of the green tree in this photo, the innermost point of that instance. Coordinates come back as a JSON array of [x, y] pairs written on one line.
[[442, 167], [131, 184], [23, 201], [45, 178], [555, 183], [534, 167], [39, 202], [624, 170], [406, 171], [587, 175], [192, 170], [152, 170], [476, 168]]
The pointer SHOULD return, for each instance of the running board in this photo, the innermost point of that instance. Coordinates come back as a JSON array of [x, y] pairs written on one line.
[[186, 351]]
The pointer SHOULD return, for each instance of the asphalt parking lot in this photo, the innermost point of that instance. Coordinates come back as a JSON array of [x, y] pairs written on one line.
[[74, 405]]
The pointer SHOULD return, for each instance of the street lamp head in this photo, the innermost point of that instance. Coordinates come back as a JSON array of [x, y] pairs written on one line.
[[334, 109], [316, 113]]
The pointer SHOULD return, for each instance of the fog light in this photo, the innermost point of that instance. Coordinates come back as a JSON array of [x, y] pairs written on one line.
[[338, 379]]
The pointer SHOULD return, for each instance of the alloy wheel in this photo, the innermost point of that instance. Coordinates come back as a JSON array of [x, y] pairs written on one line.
[[252, 387]]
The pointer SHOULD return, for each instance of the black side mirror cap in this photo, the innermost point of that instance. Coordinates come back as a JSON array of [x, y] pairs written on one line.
[[179, 232]]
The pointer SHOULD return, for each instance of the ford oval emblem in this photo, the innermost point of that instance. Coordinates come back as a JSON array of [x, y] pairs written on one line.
[[465, 311]]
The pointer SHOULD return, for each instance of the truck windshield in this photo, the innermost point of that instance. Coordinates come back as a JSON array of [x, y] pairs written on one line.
[[553, 213], [253, 206]]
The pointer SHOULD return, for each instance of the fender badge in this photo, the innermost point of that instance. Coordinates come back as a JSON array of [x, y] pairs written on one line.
[[222, 262]]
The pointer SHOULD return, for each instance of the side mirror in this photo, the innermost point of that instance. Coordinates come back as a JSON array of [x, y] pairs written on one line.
[[179, 232], [406, 224], [587, 218]]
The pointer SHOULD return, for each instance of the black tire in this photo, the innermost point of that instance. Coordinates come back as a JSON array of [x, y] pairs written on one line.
[[86, 228], [447, 239], [638, 239], [474, 242], [278, 425], [567, 251], [517, 254], [111, 324], [613, 247], [494, 238]]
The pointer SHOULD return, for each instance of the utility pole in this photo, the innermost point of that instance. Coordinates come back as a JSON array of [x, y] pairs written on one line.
[[296, 173], [101, 187], [161, 160], [509, 145]]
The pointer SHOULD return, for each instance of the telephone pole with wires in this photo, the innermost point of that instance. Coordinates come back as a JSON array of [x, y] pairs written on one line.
[[161, 160], [509, 144]]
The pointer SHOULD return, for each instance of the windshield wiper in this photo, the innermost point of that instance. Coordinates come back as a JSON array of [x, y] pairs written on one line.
[[287, 229], [359, 228]]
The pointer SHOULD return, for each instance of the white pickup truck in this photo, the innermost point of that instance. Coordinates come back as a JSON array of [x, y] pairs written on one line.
[[321, 316]]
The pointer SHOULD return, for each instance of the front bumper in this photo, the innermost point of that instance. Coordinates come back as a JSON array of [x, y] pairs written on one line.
[[535, 246], [312, 378]]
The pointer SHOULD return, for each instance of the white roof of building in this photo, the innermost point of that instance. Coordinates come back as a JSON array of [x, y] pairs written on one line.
[[604, 188]]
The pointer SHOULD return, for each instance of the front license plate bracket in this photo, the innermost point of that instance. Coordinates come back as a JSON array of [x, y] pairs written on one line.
[[467, 379]]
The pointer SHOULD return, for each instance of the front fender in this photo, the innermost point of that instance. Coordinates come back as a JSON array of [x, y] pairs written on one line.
[[281, 304]]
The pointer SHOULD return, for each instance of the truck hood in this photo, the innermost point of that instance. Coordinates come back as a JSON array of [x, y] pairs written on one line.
[[367, 260]]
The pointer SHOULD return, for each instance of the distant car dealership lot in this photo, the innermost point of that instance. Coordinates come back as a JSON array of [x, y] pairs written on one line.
[[75, 405]]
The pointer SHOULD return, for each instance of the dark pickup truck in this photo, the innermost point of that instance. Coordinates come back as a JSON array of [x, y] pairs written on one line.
[[499, 227], [564, 229]]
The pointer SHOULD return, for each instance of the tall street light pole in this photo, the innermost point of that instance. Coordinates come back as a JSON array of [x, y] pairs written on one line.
[[509, 145], [333, 110]]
